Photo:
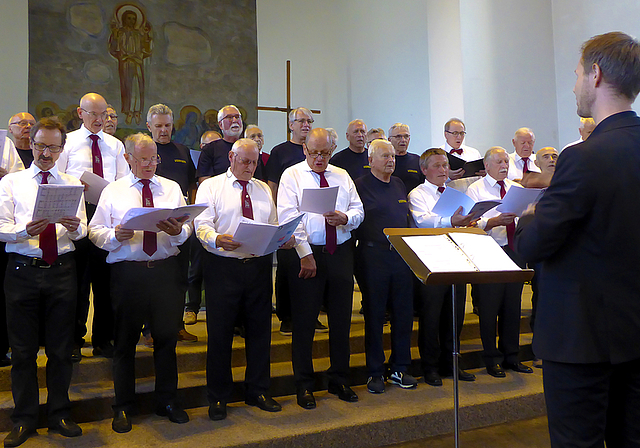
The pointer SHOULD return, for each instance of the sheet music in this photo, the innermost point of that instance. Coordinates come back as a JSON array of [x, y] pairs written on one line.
[[451, 199], [439, 253], [484, 252], [518, 199], [95, 185], [55, 201], [146, 218], [319, 200], [260, 238]]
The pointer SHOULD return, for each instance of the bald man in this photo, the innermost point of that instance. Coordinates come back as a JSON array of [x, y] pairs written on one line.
[[208, 137], [19, 128], [546, 159], [354, 158], [93, 150], [522, 160]]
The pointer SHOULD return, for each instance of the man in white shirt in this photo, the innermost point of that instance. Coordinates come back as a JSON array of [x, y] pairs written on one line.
[[454, 134], [91, 149], [40, 282], [434, 305], [232, 197], [325, 249], [499, 301], [522, 160], [145, 280]]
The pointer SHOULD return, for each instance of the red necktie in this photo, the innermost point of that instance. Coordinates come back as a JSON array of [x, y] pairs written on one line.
[[96, 156], [440, 190], [247, 208], [149, 239], [457, 151], [525, 165], [48, 242], [332, 239], [511, 228]]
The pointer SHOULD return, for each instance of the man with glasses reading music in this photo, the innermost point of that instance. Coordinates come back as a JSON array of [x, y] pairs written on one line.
[[325, 255], [41, 282], [91, 149], [145, 284], [454, 134]]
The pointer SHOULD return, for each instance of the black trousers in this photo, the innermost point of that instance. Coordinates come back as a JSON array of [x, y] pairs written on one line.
[[237, 287], [286, 273], [146, 293], [32, 292], [195, 274], [4, 336], [435, 336], [589, 404], [389, 284], [334, 279]]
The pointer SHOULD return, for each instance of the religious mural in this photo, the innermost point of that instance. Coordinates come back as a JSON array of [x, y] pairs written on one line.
[[194, 56]]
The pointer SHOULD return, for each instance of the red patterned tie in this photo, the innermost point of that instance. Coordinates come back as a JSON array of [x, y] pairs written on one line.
[[247, 208], [149, 239], [440, 190], [332, 239], [457, 151], [525, 165], [511, 228], [96, 156], [48, 242]]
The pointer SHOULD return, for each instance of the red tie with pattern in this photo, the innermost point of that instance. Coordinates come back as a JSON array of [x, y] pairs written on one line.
[[149, 239], [457, 151], [525, 165], [96, 156], [48, 241], [440, 190], [247, 208], [332, 239], [511, 228]]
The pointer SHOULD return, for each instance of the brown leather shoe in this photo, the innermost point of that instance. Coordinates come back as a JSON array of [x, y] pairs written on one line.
[[185, 336]]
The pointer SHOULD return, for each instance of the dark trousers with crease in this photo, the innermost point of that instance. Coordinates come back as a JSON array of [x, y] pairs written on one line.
[[33, 292], [238, 287], [146, 293], [334, 279]]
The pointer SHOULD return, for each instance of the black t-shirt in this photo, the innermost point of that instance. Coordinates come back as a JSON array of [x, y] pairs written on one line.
[[385, 205], [176, 164], [356, 164], [26, 155], [214, 160], [408, 170], [282, 157]]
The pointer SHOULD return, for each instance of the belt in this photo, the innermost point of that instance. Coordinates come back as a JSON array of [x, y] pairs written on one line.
[[385, 246], [35, 262], [150, 264]]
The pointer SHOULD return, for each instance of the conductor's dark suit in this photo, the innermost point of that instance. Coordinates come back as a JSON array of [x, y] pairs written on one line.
[[584, 232]]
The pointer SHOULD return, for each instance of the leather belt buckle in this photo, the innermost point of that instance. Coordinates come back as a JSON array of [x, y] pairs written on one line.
[[151, 264]]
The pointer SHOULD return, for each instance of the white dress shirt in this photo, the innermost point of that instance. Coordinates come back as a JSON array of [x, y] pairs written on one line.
[[120, 196], [223, 195], [76, 157], [422, 199], [486, 189], [11, 160], [516, 165], [311, 229], [572, 143], [18, 193]]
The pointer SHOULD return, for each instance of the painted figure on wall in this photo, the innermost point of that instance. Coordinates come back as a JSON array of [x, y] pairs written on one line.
[[131, 42]]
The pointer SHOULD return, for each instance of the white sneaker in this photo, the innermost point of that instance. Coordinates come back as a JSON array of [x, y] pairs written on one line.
[[190, 318], [403, 380]]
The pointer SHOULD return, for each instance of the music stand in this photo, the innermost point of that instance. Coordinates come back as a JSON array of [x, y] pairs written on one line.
[[395, 237]]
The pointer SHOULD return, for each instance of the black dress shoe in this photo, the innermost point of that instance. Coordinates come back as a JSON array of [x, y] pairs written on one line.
[[305, 399], [218, 410], [66, 427], [107, 350], [121, 422], [465, 376], [264, 402], [5, 362], [175, 413], [18, 435], [343, 392], [432, 378], [496, 371], [517, 367], [76, 355]]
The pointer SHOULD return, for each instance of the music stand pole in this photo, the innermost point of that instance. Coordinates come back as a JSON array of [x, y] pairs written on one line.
[[456, 394]]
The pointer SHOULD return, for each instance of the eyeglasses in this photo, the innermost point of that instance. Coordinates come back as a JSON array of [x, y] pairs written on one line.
[[246, 162], [231, 117], [24, 123], [457, 133], [308, 121], [404, 136], [95, 115], [322, 155], [146, 162], [53, 149]]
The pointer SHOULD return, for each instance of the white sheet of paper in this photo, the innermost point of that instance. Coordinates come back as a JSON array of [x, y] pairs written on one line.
[[518, 199], [262, 239], [55, 201], [195, 156], [95, 185], [146, 218], [3, 136], [319, 200], [449, 202], [439, 253], [485, 253]]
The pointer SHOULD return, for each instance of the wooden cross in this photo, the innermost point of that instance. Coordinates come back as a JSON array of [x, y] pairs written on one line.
[[288, 108]]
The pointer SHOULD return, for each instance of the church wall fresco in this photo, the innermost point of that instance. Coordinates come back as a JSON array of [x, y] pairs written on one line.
[[194, 56]]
